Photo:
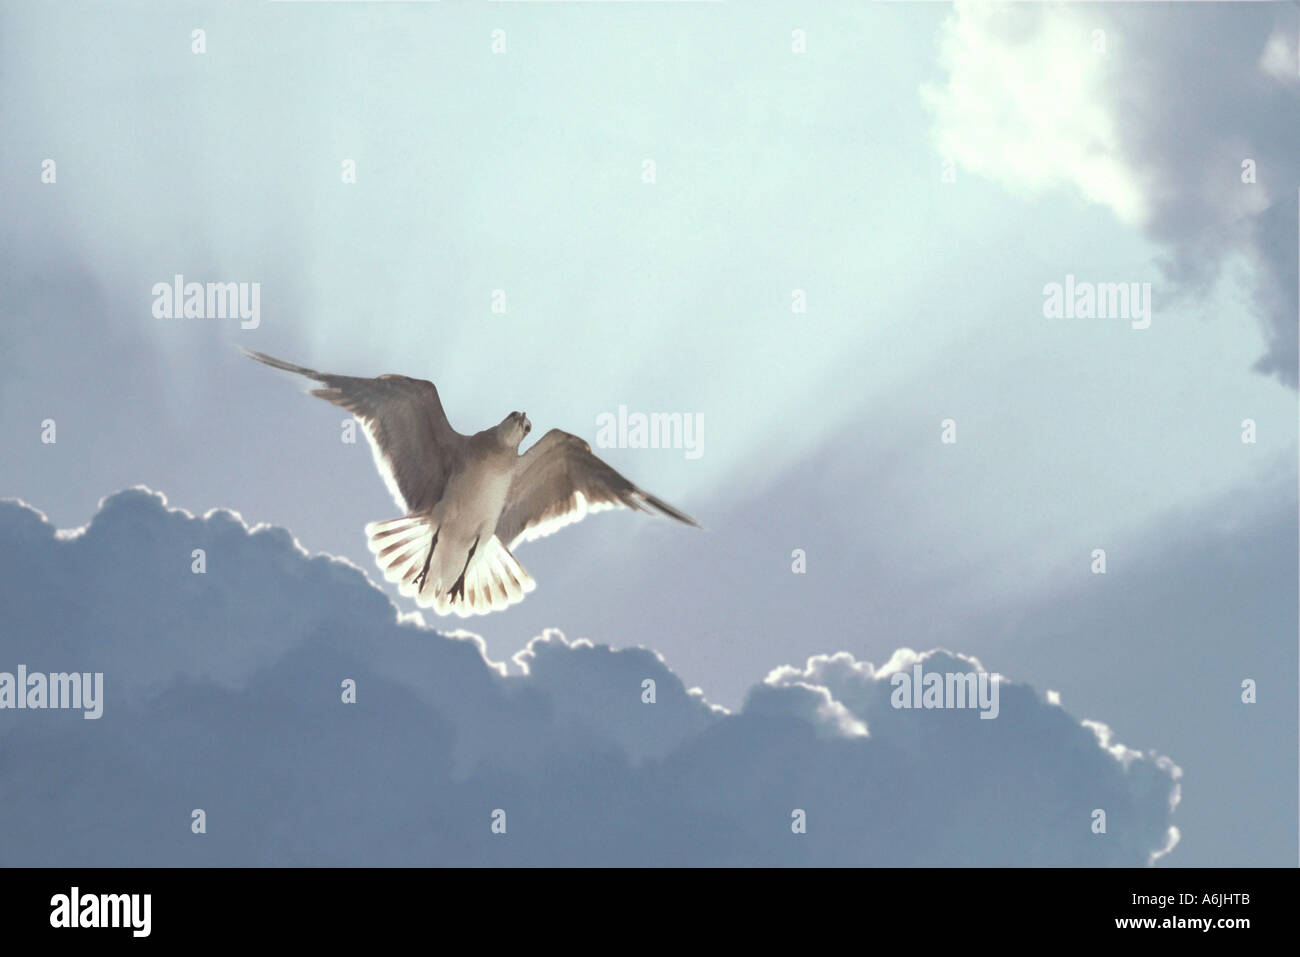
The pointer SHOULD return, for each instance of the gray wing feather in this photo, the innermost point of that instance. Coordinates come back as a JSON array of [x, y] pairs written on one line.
[[558, 481], [414, 445]]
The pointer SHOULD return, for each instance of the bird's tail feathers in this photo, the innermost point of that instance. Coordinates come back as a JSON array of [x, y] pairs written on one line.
[[400, 546], [494, 579]]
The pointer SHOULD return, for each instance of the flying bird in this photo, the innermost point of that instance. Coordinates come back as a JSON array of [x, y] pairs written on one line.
[[468, 499]]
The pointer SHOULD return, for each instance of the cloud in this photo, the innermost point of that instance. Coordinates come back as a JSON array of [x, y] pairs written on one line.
[[223, 692], [1149, 110], [1025, 104]]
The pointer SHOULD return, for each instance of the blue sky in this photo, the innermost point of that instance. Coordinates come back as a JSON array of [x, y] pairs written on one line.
[[775, 171]]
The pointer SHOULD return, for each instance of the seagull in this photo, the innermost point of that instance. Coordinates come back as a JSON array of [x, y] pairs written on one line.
[[468, 499]]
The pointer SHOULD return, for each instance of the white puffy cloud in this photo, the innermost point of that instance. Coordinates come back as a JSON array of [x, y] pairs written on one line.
[[1150, 110], [222, 692], [1026, 104], [1278, 60]]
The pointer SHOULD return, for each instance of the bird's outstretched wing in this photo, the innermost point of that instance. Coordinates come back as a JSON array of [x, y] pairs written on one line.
[[558, 481], [415, 446]]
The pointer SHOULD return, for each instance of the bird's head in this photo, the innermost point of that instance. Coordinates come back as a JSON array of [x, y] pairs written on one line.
[[513, 428]]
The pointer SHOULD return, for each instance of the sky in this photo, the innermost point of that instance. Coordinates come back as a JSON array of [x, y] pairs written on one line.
[[917, 176]]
